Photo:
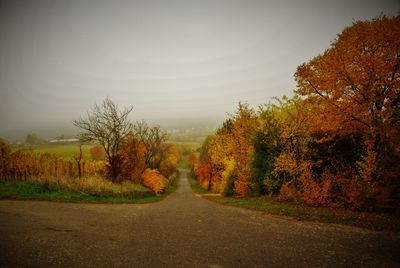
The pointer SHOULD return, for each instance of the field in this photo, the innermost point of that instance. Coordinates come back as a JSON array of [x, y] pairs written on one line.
[[65, 151], [186, 147], [189, 140], [69, 151], [193, 135]]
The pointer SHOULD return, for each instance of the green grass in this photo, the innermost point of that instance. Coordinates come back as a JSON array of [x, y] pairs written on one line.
[[190, 136], [133, 187], [301, 211], [27, 190], [65, 151], [31, 191]]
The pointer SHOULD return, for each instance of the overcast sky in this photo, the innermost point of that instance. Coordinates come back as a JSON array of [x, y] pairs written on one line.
[[174, 61]]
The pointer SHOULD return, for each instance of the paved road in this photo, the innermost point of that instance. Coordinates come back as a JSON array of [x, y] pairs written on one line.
[[181, 231]]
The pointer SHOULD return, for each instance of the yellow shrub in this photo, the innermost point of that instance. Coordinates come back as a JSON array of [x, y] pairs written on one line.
[[154, 180]]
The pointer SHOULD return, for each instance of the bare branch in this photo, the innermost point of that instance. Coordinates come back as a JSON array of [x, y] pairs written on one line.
[[107, 125]]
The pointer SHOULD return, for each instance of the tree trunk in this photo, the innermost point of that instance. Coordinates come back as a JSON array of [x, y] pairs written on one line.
[[114, 170]]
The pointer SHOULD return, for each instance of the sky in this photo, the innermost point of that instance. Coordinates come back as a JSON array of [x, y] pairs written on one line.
[[176, 62]]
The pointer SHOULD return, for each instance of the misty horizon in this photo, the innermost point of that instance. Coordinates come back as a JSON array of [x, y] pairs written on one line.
[[180, 64]]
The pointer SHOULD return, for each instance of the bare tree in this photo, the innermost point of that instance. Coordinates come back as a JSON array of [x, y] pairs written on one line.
[[78, 159], [152, 139], [107, 125]]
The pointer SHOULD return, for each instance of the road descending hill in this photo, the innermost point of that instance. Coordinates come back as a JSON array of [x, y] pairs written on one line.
[[181, 231]]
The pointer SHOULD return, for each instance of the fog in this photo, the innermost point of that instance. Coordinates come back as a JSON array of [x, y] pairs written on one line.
[[178, 63]]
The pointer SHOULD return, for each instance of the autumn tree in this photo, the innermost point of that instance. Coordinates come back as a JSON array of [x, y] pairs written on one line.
[[354, 88], [5, 152], [244, 127], [146, 148], [152, 139], [214, 154], [267, 146], [192, 162], [291, 165], [225, 158], [132, 154], [107, 125], [169, 159], [204, 170]]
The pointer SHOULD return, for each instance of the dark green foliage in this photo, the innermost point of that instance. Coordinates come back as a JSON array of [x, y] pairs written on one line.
[[227, 126], [33, 139], [335, 153], [266, 150], [230, 189]]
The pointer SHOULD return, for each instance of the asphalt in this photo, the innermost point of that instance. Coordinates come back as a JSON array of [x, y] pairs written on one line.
[[183, 230]]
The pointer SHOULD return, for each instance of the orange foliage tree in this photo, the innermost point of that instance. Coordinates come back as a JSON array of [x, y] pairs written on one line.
[[192, 161], [204, 174], [169, 159], [226, 156], [132, 155], [243, 130], [292, 165], [354, 89], [153, 139]]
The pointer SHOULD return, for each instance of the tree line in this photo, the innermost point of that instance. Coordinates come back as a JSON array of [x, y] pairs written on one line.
[[334, 143]]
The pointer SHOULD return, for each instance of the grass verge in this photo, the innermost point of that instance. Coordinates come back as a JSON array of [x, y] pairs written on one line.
[[31, 191], [301, 211]]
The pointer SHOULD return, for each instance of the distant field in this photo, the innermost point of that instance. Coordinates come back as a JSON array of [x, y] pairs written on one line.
[[66, 151], [186, 145], [194, 135], [69, 151], [183, 162]]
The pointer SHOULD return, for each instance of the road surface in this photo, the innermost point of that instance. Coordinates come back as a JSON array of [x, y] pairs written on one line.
[[183, 230]]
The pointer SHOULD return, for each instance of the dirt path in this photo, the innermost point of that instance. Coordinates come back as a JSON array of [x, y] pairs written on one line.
[[181, 231]]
